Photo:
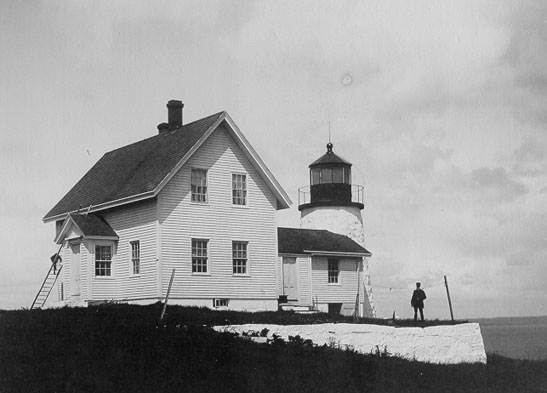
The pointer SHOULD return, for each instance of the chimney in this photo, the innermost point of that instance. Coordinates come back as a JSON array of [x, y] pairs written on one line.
[[162, 127], [174, 114]]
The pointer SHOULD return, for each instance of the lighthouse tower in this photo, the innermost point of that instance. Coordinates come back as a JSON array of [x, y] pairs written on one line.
[[333, 203]]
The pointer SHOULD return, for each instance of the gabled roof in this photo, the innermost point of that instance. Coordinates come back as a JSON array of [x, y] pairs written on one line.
[[88, 225], [140, 170], [316, 241]]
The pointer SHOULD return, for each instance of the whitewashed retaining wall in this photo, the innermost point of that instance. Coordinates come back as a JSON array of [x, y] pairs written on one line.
[[437, 344]]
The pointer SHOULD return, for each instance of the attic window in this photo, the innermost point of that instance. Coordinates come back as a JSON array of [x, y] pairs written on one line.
[[239, 189], [199, 185]]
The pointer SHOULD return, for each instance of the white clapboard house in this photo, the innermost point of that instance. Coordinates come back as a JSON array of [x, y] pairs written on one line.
[[195, 199]]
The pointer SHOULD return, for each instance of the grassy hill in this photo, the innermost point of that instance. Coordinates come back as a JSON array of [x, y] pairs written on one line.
[[122, 348]]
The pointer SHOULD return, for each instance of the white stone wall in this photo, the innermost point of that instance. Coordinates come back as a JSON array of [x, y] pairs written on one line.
[[437, 344]]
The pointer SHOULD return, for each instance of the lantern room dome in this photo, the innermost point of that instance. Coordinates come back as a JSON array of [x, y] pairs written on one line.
[[329, 158], [330, 183]]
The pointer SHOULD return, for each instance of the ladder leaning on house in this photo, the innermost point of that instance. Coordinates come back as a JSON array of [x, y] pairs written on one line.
[[49, 281]]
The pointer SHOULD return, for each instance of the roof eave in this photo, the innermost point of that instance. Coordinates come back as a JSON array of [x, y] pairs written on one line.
[[104, 206], [63, 230], [338, 253], [283, 199]]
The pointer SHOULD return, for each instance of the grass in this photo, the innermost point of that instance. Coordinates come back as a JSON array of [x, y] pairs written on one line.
[[122, 348]]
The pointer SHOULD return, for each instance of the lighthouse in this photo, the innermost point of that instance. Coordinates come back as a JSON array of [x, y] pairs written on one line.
[[334, 203]]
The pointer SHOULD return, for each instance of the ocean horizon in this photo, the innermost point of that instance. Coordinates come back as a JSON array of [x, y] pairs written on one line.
[[515, 337]]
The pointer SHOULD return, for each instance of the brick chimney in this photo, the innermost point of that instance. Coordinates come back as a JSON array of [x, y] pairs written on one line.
[[174, 114]]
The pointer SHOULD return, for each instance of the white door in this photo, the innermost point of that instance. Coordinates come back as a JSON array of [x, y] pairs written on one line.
[[290, 279], [75, 270]]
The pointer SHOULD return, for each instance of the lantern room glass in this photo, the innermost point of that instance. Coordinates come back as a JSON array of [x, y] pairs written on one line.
[[326, 175]]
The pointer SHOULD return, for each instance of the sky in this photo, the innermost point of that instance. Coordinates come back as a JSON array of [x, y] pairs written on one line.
[[441, 106]]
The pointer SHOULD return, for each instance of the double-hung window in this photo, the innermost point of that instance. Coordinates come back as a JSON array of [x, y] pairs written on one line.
[[333, 271], [239, 258], [239, 189], [199, 256], [136, 256], [199, 185], [103, 261]]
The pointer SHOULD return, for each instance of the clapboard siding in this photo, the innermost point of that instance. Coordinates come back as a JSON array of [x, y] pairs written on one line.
[[279, 276], [345, 291], [85, 282], [132, 222], [65, 254], [220, 223]]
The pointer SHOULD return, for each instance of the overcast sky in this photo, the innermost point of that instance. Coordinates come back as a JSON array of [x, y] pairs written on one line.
[[440, 106]]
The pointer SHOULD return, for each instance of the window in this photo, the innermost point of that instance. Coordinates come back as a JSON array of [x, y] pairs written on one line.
[[220, 302], [239, 253], [199, 185], [333, 271], [103, 261], [199, 256], [315, 176], [326, 175], [338, 175], [136, 256], [239, 189]]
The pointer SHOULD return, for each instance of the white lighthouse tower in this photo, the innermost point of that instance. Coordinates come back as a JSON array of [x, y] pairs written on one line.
[[333, 203]]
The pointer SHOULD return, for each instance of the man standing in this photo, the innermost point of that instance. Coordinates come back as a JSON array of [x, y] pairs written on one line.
[[417, 301]]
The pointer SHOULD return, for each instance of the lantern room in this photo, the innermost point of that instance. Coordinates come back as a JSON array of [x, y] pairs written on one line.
[[330, 184]]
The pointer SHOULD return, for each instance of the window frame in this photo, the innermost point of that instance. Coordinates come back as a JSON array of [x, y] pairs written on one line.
[[245, 190], [107, 269], [236, 259], [221, 303], [135, 258], [193, 192], [200, 261], [333, 275]]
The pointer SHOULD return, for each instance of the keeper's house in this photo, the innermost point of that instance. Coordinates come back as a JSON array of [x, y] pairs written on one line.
[[195, 198]]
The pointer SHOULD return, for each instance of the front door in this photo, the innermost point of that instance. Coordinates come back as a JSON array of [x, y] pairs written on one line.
[[290, 281], [75, 270]]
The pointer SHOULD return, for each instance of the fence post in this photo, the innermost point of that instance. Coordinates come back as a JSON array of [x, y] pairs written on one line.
[[167, 295], [448, 295]]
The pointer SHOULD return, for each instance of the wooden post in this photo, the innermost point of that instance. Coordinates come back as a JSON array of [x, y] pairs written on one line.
[[449, 301], [356, 313], [167, 295]]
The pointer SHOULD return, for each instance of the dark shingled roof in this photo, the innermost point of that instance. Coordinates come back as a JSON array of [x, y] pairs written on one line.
[[296, 241], [92, 225], [134, 169], [329, 158]]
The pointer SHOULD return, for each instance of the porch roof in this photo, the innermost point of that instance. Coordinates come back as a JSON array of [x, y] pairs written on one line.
[[87, 225], [308, 241]]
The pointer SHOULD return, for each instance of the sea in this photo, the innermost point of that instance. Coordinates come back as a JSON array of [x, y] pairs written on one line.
[[515, 337]]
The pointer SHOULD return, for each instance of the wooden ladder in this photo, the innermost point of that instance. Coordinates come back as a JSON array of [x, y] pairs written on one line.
[[49, 282]]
